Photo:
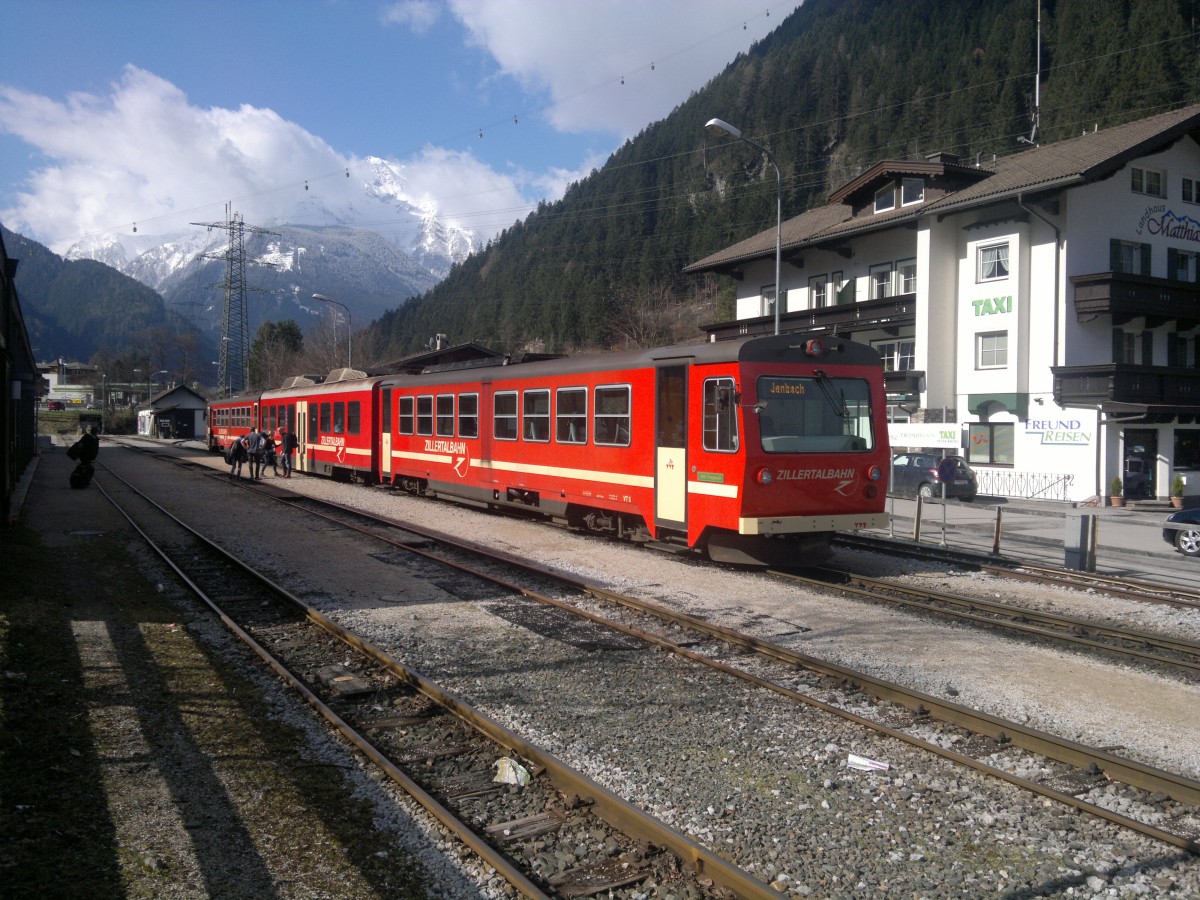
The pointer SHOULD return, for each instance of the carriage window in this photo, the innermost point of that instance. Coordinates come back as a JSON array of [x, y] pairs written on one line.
[[339, 418], [818, 414], [536, 412], [353, 416], [325, 429], [385, 408], [468, 415], [612, 416], [425, 414], [720, 415], [570, 423], [445, 415], [504, 419], [404, 422]]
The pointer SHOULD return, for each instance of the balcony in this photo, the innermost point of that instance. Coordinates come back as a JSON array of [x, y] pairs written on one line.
[[1126, 297], [1168, 390], [891, 314]]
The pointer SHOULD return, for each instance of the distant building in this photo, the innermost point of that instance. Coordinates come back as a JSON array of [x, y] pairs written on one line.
[[1046, 306], [177, 413]]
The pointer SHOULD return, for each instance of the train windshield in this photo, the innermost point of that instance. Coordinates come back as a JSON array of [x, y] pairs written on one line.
[[814, 414]]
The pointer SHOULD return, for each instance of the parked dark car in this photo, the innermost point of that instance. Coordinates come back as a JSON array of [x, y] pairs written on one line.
[[55, 404], [1185, 536], [916, 473]]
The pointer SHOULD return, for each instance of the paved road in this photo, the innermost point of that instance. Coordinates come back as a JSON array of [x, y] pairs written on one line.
[[1128, 542]]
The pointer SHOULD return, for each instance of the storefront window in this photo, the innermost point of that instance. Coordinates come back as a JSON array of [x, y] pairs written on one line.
[[1187, 448]]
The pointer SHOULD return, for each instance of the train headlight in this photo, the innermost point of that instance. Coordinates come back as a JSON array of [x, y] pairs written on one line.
[[874, 473], [764, 476], [814, 348], [871, 492]]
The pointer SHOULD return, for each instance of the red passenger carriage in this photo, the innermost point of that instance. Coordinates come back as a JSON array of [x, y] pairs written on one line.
[[753, 451]]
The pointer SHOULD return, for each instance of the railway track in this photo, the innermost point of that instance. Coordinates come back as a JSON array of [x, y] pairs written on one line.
[[1070, 773], [1141, 590], [431, 743], [1080, 633]]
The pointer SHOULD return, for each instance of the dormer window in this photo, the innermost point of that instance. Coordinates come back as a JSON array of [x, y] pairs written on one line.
[[912, 190], [885, 199]]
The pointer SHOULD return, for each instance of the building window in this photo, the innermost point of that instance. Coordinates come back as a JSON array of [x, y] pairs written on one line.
[[1191, 190], [906, 276], [1177, 350], [1127, 347], [885, 199], [881, 281], [898, 356], [1181, 265], [1187, 448], [818, 291], [912, 190], [1129, 257], [990, 444], [1146, 181], [768, 300], [993, 263], [991, 350]]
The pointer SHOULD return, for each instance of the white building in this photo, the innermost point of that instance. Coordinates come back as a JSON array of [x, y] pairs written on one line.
[[1046, 305]]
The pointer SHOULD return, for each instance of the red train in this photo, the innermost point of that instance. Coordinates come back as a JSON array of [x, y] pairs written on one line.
[[752, 451]]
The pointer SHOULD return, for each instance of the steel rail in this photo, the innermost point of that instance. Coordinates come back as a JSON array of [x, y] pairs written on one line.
[[914, 598], [619, 813], [1117, 768]]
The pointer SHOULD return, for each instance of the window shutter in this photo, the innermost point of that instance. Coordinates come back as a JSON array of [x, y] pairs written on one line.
[[1147, 348], [1173, 264], [1118, 345], [1173, 350], [1145, 259], [1114, 256]]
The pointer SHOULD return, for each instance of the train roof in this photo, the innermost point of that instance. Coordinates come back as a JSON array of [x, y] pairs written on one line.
[[782, 348], [789, 348]]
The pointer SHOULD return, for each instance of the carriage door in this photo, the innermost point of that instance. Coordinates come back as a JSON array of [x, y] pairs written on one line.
[[670, 448], [385, 436], [300, 428]]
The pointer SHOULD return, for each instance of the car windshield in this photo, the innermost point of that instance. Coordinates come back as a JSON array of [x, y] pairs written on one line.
[[816, 414]]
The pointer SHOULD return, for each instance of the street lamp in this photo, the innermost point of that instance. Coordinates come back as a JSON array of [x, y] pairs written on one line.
[[737, 133], [349, 326]]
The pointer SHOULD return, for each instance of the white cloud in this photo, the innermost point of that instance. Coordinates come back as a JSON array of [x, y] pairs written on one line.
[[144, 154], [578, 53], [419, 16]]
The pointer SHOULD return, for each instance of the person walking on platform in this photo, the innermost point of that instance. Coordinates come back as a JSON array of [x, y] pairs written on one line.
[[237, 456], [269, 456], [254, 447], [287, 442]]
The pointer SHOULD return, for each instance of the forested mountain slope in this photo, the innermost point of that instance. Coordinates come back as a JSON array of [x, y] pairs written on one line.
[[839, 86]]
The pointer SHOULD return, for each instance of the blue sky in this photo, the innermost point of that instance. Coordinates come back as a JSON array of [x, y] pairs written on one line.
[[160, 111]]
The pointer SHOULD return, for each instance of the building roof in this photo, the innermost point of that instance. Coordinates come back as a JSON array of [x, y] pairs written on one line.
[[1091, 157]]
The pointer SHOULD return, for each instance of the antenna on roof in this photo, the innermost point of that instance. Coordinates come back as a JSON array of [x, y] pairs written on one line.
[[1037, 86]]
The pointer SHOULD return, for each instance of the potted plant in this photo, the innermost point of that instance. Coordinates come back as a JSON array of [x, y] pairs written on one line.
[[1177, 492], [1114, 492]]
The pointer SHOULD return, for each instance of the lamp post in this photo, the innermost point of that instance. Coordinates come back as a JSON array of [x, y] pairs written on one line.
[[349, 326], [737, 133]]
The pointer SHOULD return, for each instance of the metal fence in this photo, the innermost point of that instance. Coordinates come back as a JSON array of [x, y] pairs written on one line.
[[1031, 485]]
